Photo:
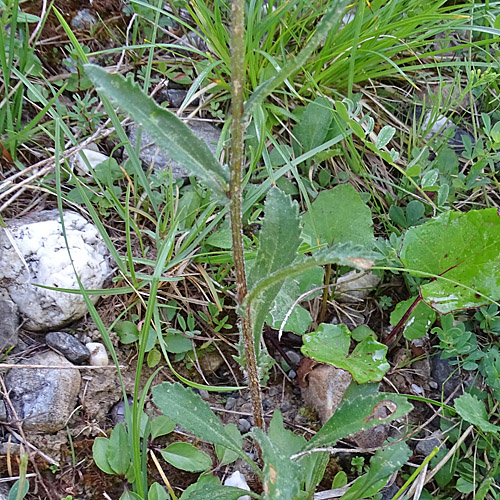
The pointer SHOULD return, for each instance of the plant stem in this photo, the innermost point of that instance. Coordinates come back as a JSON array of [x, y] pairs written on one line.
[[236, 164], [401, 323]]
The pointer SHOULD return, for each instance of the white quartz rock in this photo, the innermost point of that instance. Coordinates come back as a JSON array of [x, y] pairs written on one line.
[[93, 157], [237, 479], [33, 251], [98, 354]]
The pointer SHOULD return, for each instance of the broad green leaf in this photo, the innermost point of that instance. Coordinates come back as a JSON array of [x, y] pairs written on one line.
[[472, 410], [167, 131], [186, 408], [382, 465], [117, 453], [162, 425], [99, 452], [176, 343], [384, 136], [127, 331], [359, 413], [281, 474], [330, 344], [464, 248], [157, 492], [313, 126], [186, 457], [299, 319], [225, 455], [338, 216], [420, 320], [279, 241]]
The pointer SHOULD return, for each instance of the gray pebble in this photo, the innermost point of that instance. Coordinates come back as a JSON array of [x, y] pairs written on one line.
[[426, 446], [389, 491], [286, 406], [3, 411], [446, 375], [69, 346], [266, 404], [244, 425], [205, 395], [294, 356], [9, 323], [118, 411], [292, 374], [230, 403], [83, 20]]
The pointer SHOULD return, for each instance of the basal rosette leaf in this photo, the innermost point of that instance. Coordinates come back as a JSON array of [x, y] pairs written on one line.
[[463, 249], [330, 344]]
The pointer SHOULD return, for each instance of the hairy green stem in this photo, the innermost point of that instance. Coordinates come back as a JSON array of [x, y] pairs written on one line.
[[237, 159]]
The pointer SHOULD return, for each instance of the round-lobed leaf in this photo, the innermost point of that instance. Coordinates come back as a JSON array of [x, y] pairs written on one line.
[[463, 248]]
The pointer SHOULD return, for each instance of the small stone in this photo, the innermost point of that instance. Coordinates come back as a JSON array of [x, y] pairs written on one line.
[[151, 154], [34, 252], [210, 362], [98, 354], [244, 425], [3, 412], [83, 20], [433, 384], [266, 404], [323, 388], [375, 436], [94, 158], [426, 446], [294, 357], [354, 287], [237, 480], [175, 98], [44, 398], [230, 403], [9, 324], [118, 411], [286, 406], [292, 374], [72, 349], [389, 492], [204, 394], [446, 376]]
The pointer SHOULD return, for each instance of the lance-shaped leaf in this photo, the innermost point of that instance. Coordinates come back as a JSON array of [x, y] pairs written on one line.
[[382, 465], [186, 408], [281, 474], [360, 412], [462, 248], [279, 241], [330, 344], [169, 133]]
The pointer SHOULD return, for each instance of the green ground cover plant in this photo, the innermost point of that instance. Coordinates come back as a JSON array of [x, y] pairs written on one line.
[[332, 184]]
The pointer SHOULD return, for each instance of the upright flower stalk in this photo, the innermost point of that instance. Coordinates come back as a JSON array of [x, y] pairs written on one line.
[[236, 165]]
